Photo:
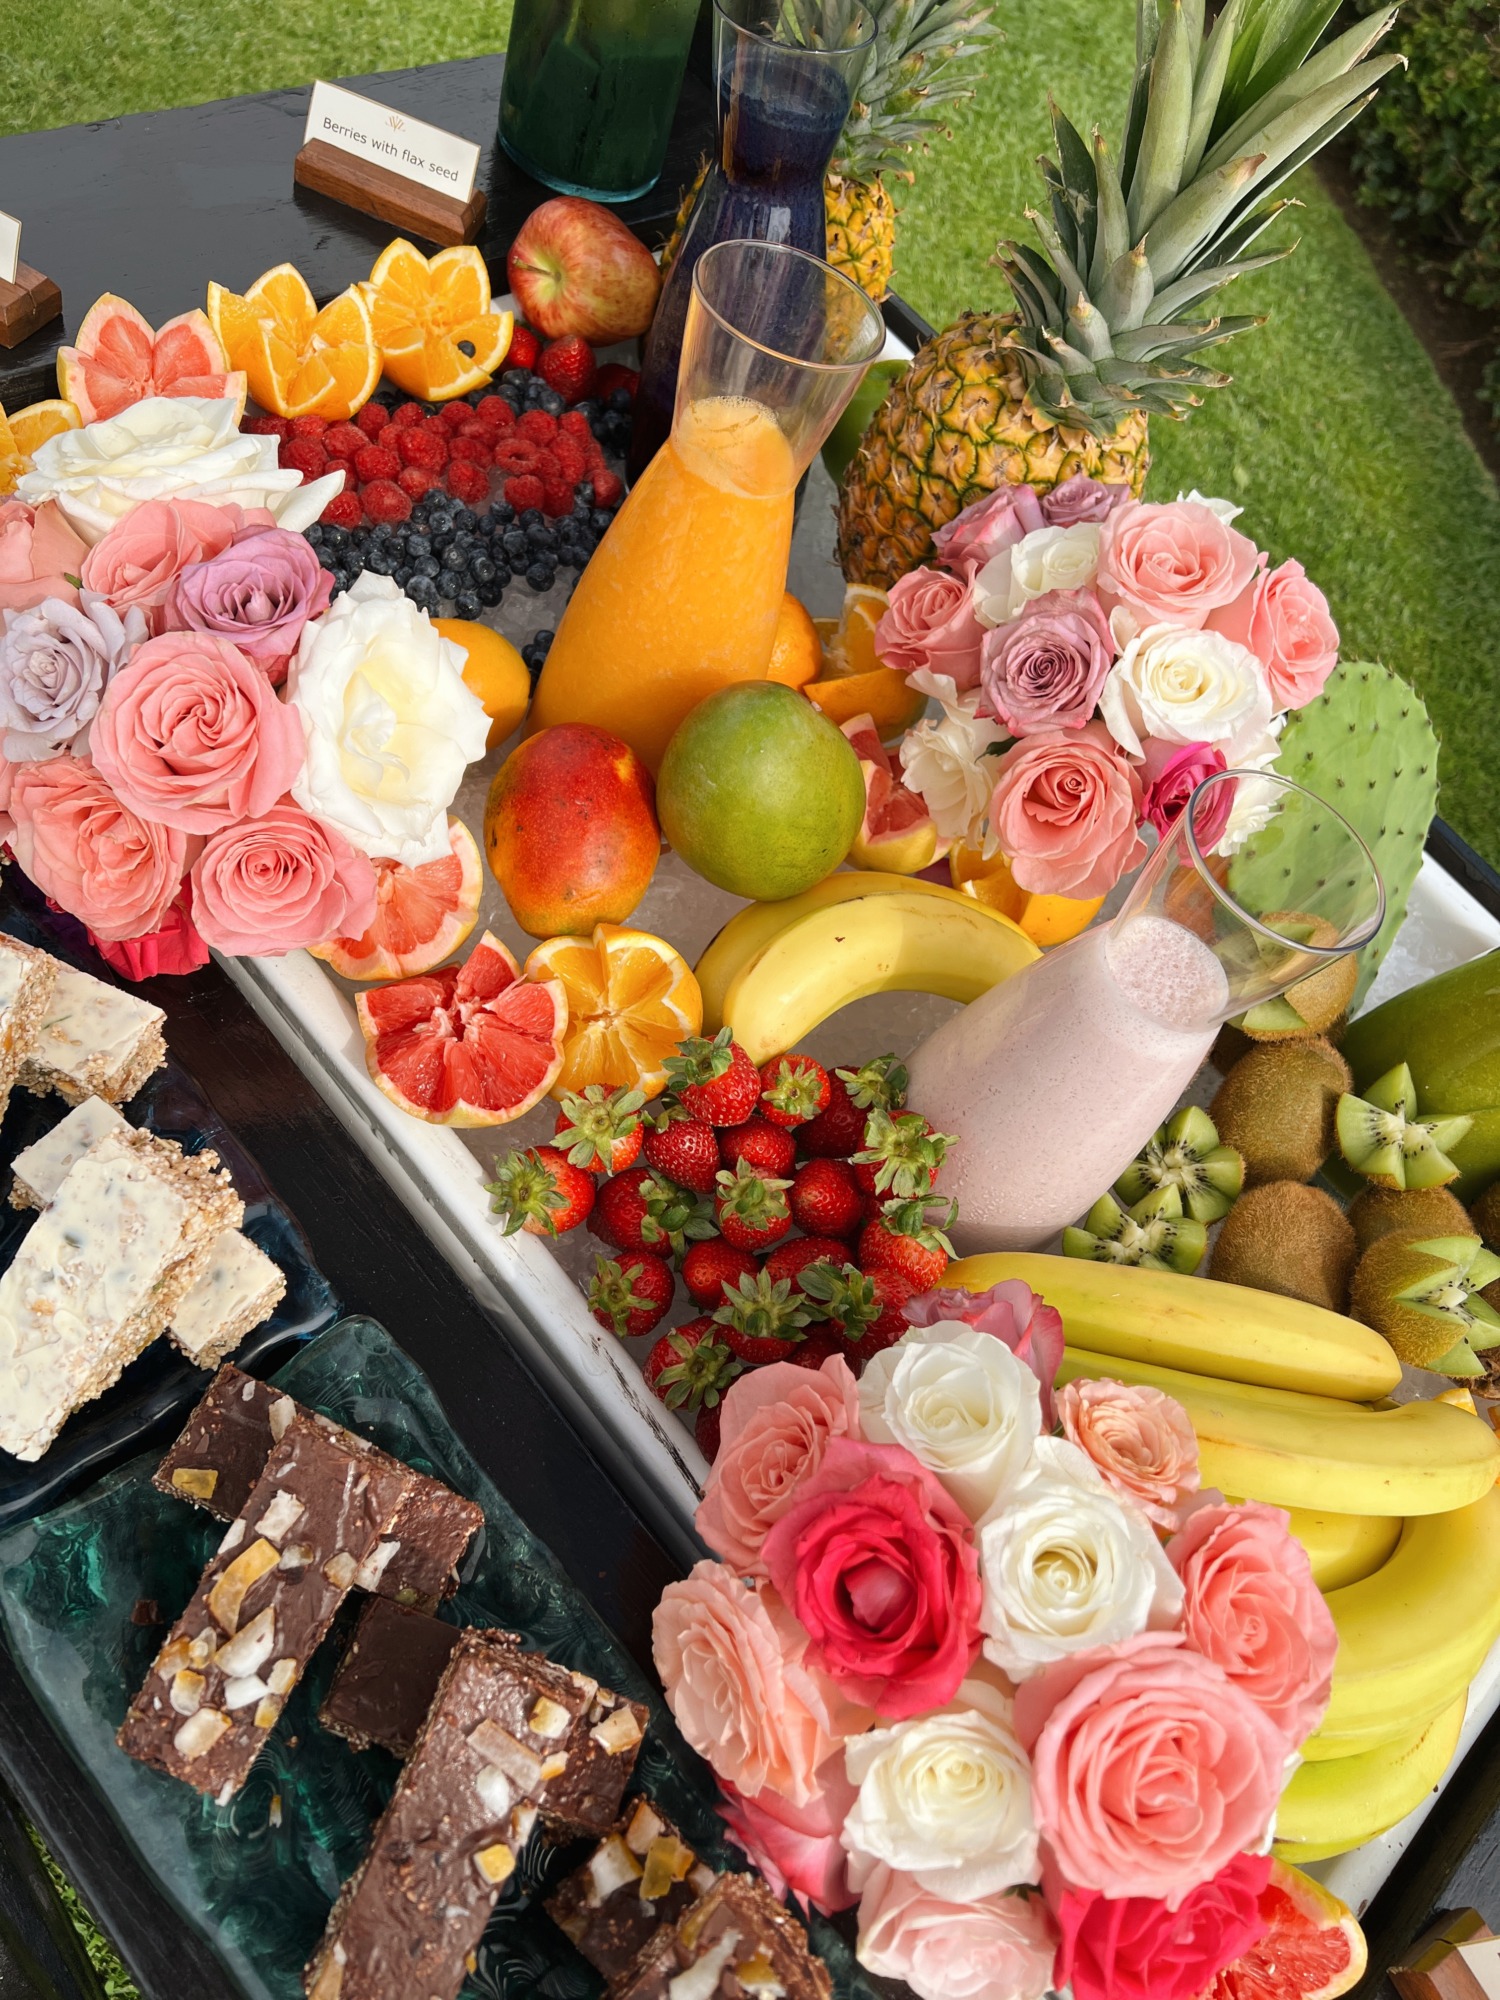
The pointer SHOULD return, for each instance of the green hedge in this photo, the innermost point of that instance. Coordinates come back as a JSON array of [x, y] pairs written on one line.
[[1428, 149]]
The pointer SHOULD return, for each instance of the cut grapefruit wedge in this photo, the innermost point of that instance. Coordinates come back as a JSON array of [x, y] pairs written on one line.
[[119, 359], [421, 914], [472, 1044], [897, 834], [1312, 1950]]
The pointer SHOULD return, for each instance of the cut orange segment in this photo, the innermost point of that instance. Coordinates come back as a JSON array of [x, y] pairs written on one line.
[[437, 329], [1046, 920], [852, 680], [631, 999], [299, 361], [21, 434], [797, 651]]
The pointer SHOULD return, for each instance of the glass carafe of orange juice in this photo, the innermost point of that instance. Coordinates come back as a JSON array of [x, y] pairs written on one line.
[[681, 596]]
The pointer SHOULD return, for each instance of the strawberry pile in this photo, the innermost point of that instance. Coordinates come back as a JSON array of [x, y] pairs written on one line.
[[795, 1206]]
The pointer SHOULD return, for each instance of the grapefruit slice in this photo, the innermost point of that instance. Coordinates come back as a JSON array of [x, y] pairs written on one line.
[[119, 359], [897, 834], [1312, 1950], [421, 914], [472, 1044]]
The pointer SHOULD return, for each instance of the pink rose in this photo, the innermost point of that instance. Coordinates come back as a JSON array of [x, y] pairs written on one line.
[[1150, 1768], [1170, 774], [140, 558], [1285, 621], [776, 1424], [280, 882], [1250, 1605], [1172, 563], [1081, 499], [115, 872], [1137, 1949], [259, 593], [191, 733], [798, 1849], [1013, 1312], [1139, 1441], [879, 1565], [1064, 811], [735, 1666], [38, 553], [174, 947], [929, 622], [1044, 669], [998, 1948], [981, 531]]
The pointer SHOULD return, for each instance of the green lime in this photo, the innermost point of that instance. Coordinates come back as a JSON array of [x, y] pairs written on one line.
[[843, 439]]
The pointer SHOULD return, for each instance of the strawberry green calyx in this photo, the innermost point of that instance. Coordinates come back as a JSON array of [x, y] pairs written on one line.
[[879, 1085], [843, 1295], [764, 1308], [525, 1190], [794, 1088], [703, 1370], [674, 1215], [924, 1221], [699, 1061], [904, 1151], [757, 1199], [612, 1294], [595, 1122]]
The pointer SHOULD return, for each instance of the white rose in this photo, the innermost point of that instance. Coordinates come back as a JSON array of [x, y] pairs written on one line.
[[945, 1798], [946, 760], [1254, 799], [388, 722], [1225, 509], [1186, 687], [945, 691], [962, 1405], [1065, 1566], [168, 448], [1046, 559]]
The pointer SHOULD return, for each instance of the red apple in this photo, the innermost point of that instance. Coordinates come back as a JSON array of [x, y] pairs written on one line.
[[576, 268]]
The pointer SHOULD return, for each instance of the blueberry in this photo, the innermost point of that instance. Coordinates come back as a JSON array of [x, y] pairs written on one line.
[[541, 577], [425, 566], [441, 543], [422, 592], [314, 534], [465, 520], [401, 575], [340, 580], [464, 542], [503, 576], [552, 402], [589, 409], [454, 559], [481, 569], [517, 378], [491, 593], [533, 518], [542, 639], [542, 538], [514, 542], [418, 543], [600, 519], [378, 561], [621, 400], [467, 604]]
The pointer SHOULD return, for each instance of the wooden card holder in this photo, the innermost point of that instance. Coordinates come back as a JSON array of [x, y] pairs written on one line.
[[1432, 1968], [375, 190], [26, 305]]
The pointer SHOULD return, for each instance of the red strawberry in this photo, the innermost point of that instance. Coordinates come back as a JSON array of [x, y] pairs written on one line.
[[615, 375], [708, 1269], [826, 1200], [540, 1191], [690, 1366], [631, 1295], [764, 1146], [838, 1128], [636, 1211], [791, 1259], [600, 1130], [762, 1319], [901, 1155], [815, 1350], [890, 1324], [903, 1238], [524, 349], [750, 1208], [373, 418], [706, 1428], [715, 1081], [863, 1306], [792, 1090], [684, 1149], [568, 366]]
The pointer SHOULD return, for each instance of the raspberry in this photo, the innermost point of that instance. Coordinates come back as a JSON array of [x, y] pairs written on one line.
[[304, 455], [435, 427], [373, 419], [309, 427], [343, 511], [277, 427], [384, 501], [476, 428], [373, 461], [571, 457], [547, 469], [609, 488], [344, 440], [524, 349], [537, 426], [414, 481], [419, 447], [496, 412], [469, 483], [524, 491], [516, 454], [573, 423], [557, 499], [406, 413], [454, 414], [470, 450]]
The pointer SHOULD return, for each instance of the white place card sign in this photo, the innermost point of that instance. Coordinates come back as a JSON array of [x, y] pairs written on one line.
[[387, 138], [10, 247], [1483, 1961]]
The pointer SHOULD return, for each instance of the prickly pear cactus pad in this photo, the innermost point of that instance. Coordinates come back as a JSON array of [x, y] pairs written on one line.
[[1367, 747]]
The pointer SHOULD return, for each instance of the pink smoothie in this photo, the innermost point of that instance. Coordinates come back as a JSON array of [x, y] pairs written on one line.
[[1053, 1081]]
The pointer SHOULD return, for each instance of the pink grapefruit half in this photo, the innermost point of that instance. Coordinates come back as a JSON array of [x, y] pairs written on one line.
[[1312, 1950], [897, 834], [118, 359], [422, 914]]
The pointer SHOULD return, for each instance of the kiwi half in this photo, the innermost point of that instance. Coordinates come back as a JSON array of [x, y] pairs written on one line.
[[1186, 1154], [1276, 1108], [1153, 1232], [1377, 1211], [1315, 1005], [1289, 1238], [1381, 1135], [1486, 1214], [1422, 1293]]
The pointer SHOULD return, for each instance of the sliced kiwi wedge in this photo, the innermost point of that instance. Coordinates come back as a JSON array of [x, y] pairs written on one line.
[[1382, 1136], [1422, 1293], [1153, 1232], [1186, 1154]]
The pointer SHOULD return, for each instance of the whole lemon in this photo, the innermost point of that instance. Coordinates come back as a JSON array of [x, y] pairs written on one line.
[[759, 792], [493, 670]]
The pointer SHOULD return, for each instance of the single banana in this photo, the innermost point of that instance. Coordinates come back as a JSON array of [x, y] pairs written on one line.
[[1344, 1548], [1228, 1332], [1326, 1743], [910, 941], [1181, 1382], [1336, 1805]]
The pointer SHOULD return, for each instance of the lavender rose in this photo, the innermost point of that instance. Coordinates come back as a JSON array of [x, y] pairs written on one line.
[[258, 593], [1081, 499], [981, 532], [54, 662], [1045, 668]]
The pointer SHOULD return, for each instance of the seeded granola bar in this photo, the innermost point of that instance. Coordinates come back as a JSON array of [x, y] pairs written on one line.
[[641, 1876], [737, 1942], [93, 1040], [40, 1169], [27, 978], [383, 1686], [238, 1289]]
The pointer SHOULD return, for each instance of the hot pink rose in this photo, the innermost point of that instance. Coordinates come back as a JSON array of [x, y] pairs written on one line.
[[776, 1423], [115, 872], [929, 622], [1013, 1312], [1172, 563], [1139, 1441], [735, 1666], [798, 1849], [174, 947], [1137, 1949], [998, 1948], [1064, 811], [1251, 1606], [1170, 774], [141, 557], [38, 553], [1285, 621], [191, 733], [1043, 671], [879, 1565], [259, 593], [1150, 1769], [981, 531], [280, 882]]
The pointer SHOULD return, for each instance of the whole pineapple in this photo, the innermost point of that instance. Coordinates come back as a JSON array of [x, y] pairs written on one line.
[[1108, 325]]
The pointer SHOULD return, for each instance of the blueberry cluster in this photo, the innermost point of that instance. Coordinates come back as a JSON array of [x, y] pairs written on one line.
[[535, 651]]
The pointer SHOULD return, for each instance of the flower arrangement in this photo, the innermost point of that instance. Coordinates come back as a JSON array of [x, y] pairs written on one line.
[[980, 1658], [1095, 658]]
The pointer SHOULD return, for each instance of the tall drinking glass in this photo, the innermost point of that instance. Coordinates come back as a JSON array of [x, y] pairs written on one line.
[[1054, 1080], [681, 597]]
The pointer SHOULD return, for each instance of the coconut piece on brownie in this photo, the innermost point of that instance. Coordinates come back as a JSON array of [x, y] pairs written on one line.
[[94, 1040], [27, 980], [238, 1289], [40, 1169]]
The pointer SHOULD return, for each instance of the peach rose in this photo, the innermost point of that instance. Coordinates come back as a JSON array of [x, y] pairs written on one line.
[[1251, 1606], [930, 623], [141, 557], [1064, 810], [39, 552], [998, 1948], [733, 1662], [776, 1423], [1150, 1767], [280, 882], [797, 1848], [1285, 621], [115, 872], [1138, 1440], [190, 732], [1172, 562]]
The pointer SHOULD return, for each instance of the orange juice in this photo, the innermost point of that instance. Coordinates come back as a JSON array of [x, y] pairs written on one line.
[[682, 595]]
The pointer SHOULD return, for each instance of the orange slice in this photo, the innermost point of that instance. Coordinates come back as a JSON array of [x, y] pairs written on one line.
[[300, 361], [434, 321], [1046, 920], [797, 651], [21, 434], [631, 999], [852, 680]]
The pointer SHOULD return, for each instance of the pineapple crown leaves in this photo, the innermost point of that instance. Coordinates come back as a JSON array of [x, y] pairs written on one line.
[[923, 1221], [702, 1371], [754, 1197], [673, 1214], [699, 1060], [904, 1151], [525, 1190], [612, 1292], [921, 63], [843, 1295], [764, 1308], [597, 1120], [879, 1083]]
